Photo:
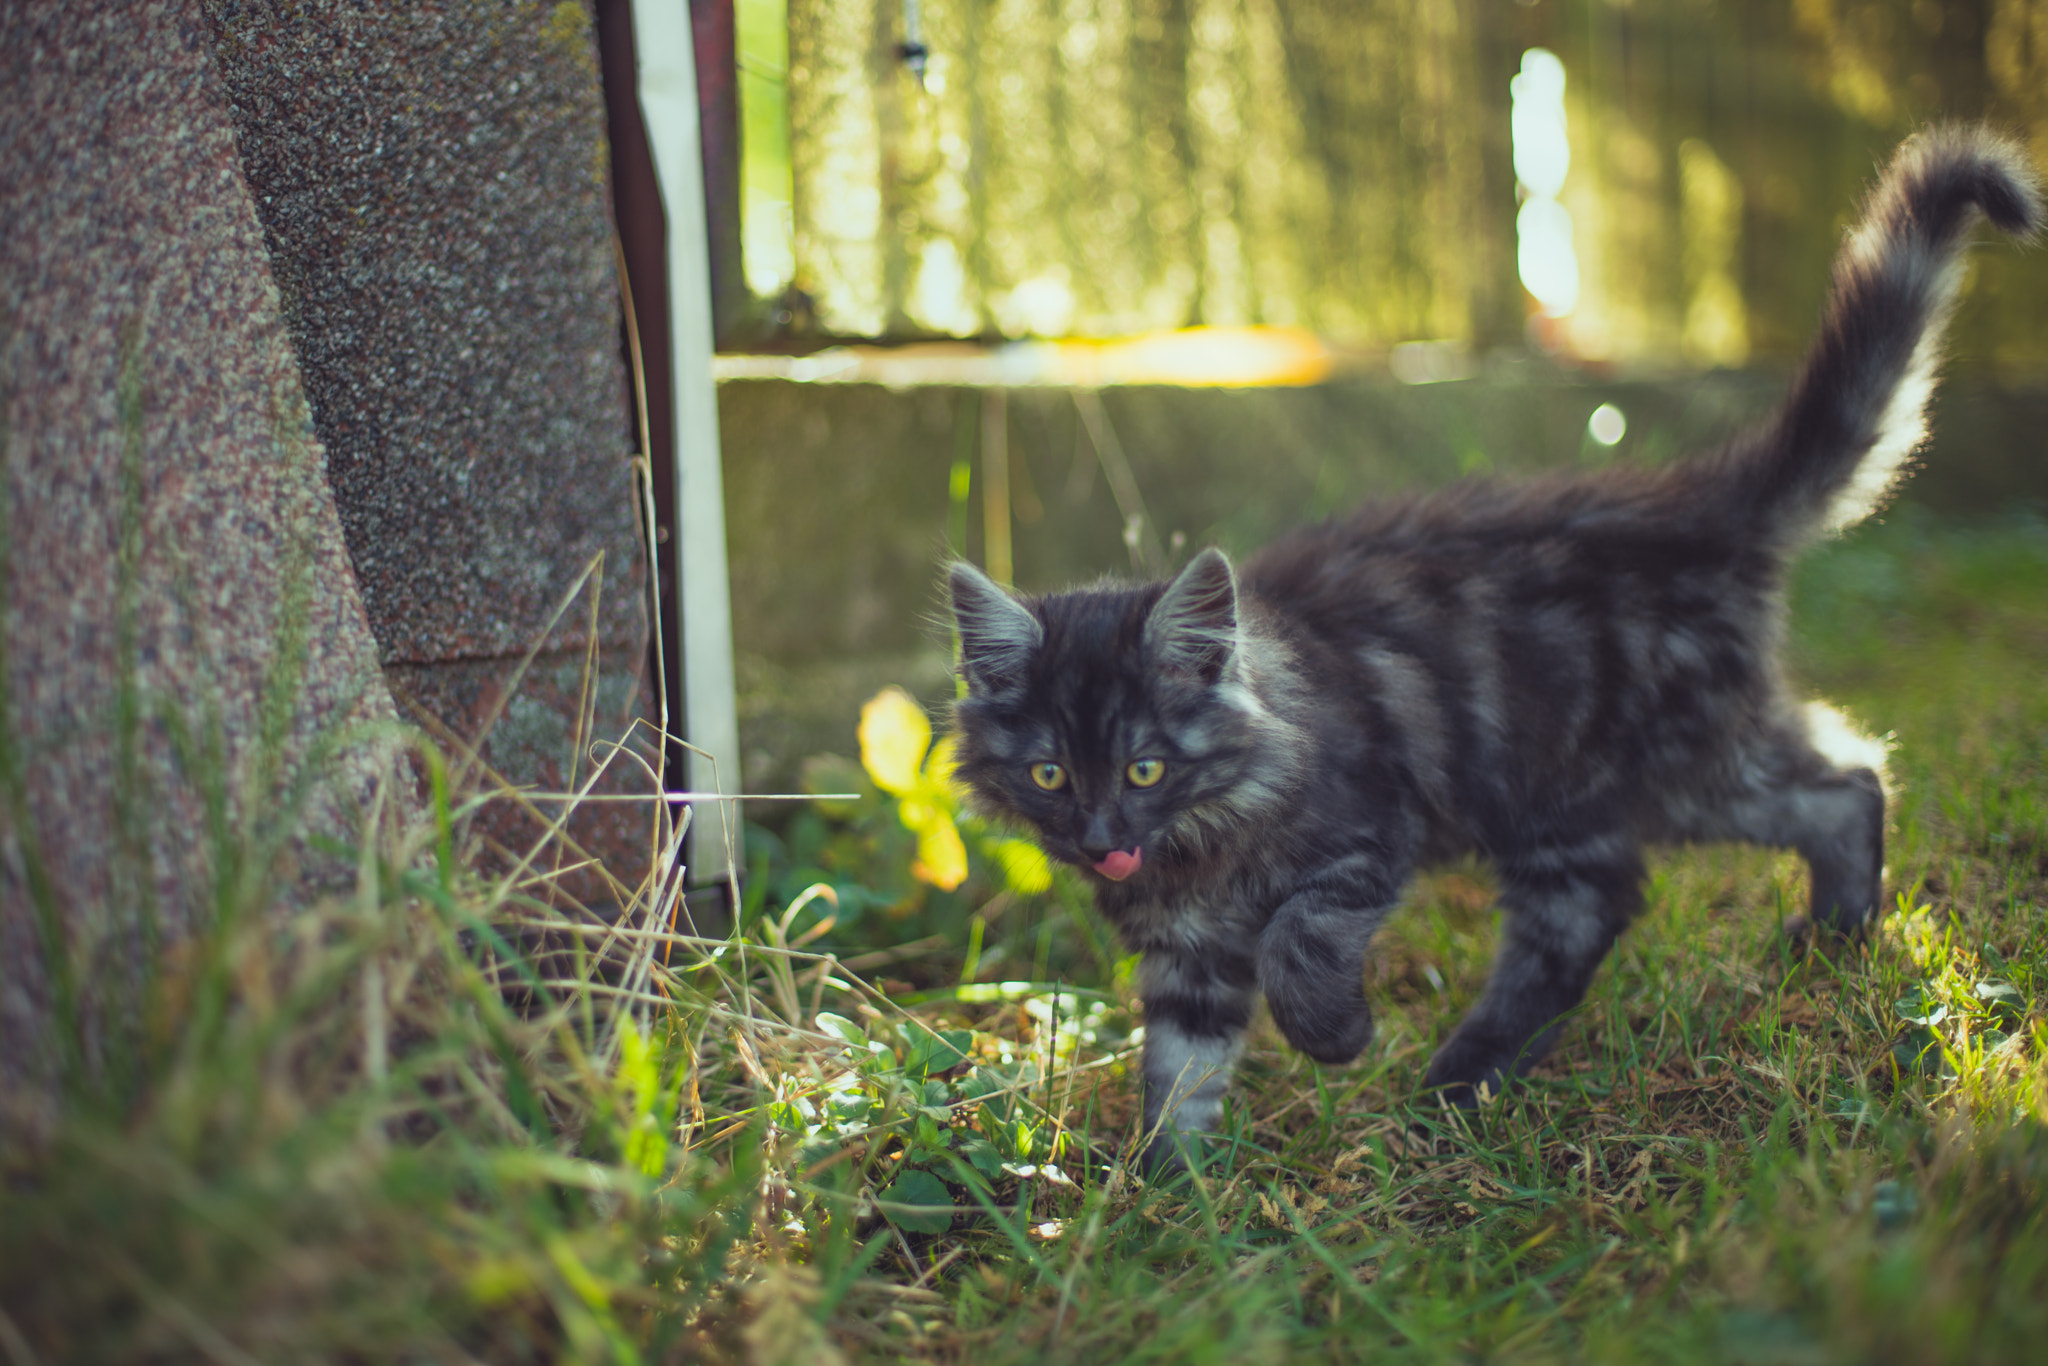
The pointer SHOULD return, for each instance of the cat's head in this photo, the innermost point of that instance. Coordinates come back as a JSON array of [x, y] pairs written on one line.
[[1119, 721]]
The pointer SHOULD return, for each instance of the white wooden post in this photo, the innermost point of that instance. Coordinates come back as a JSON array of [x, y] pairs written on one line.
[[667, 74]]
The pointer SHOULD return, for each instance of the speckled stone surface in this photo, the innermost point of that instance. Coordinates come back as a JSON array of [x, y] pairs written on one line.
[[431, 179], [172, 555], [432, 184]]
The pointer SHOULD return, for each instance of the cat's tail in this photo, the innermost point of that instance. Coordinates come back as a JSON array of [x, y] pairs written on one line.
[[1857, 410]]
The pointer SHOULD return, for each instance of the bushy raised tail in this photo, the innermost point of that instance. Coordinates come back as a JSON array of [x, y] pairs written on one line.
[[1857, 410]]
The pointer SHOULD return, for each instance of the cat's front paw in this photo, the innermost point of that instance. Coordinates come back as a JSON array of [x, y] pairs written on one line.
[[1312, 970], [1804, 935], [1468, 1070], [1329, 1032], [1167, 1154]]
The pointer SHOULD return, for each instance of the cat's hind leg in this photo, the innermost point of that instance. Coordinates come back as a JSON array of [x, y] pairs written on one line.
[[1836, 822], [1198, 999], [1832, 812], [1563, 908]]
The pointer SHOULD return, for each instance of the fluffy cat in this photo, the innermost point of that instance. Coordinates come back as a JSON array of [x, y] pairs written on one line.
[[1553, 674]]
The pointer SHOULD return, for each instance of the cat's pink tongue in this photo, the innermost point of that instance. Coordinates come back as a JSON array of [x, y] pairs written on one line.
[[1119, 864]]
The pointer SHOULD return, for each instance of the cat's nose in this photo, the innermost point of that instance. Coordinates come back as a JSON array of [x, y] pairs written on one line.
[[1097, 840]]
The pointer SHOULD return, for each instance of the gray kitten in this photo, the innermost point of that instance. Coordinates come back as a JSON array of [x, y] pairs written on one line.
[[1552, 674]]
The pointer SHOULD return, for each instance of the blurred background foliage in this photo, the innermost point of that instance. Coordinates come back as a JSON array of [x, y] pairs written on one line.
[[1104, 167]]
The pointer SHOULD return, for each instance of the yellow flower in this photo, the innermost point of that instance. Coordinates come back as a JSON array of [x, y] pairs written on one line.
[[945, 758], [894, 737], [1024, 866], [941, 857]]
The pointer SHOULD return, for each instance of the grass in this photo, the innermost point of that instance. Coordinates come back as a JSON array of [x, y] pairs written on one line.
[[447, 1118]]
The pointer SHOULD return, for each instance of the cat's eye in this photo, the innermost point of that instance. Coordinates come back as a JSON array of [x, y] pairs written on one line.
[[1145, 772], [1051, 777]]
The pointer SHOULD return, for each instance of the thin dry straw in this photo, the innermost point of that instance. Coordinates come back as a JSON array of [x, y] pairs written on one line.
[[1146, 556], [757, 1023]]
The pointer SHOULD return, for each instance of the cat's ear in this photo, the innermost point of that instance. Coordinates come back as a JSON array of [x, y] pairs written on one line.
[[1193, 627], [997, 635]]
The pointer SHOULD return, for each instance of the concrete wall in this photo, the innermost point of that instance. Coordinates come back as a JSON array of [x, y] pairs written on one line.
[[313, 411]]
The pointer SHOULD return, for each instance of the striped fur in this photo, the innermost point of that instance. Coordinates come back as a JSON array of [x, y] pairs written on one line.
[[1552, 674]]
